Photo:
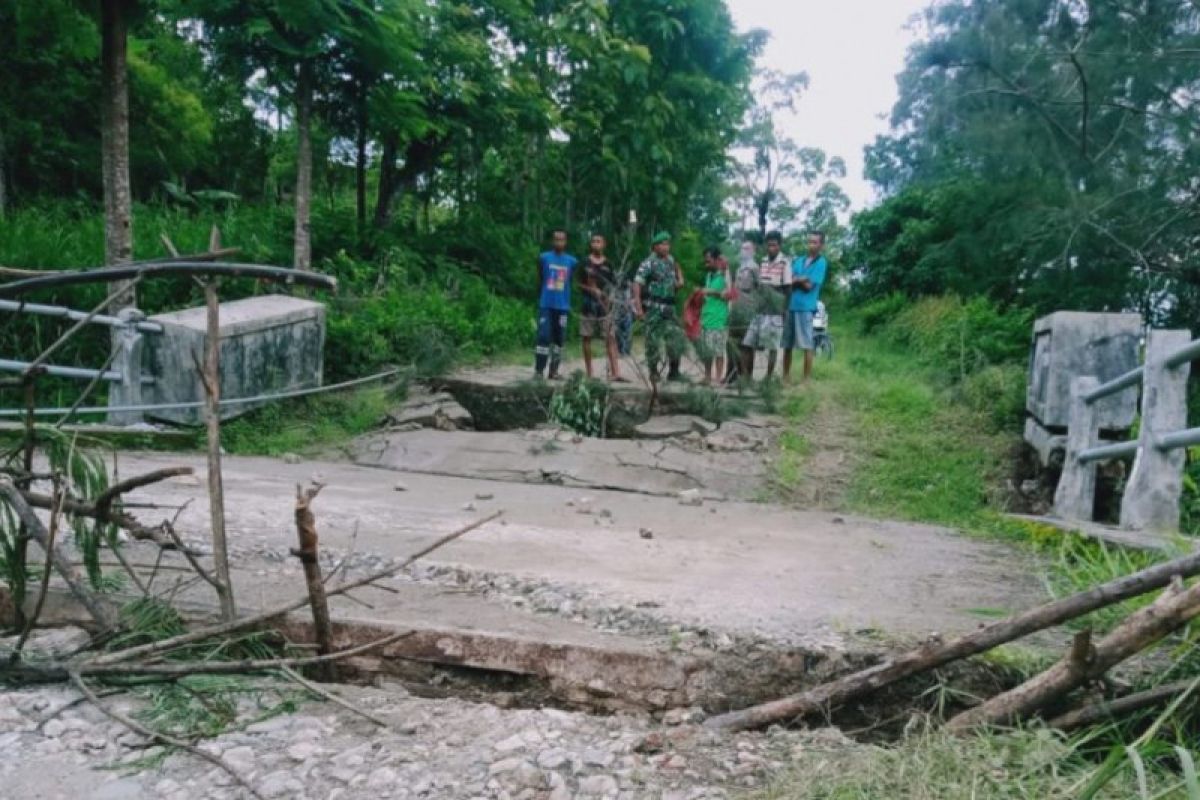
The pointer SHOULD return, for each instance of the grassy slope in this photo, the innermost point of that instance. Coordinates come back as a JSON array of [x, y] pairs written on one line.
[[916, 453], [913, 454]]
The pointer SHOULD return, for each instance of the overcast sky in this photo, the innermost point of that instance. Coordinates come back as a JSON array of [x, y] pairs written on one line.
[[851, 50]]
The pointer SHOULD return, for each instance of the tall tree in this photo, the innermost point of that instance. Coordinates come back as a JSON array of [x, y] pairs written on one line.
[[292, 40], [1051, 146], [781, 181], [114, 129]]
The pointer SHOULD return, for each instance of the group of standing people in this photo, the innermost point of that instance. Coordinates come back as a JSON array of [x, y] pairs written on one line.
[[762, 308]]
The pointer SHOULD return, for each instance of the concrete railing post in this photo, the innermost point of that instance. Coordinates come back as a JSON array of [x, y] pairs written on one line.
[[1152, 493], [1075, 497], [128, 342]]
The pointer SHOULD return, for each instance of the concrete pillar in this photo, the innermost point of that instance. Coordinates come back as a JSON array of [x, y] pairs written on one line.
[[128, 342], [1152, 493], [1075, 497]]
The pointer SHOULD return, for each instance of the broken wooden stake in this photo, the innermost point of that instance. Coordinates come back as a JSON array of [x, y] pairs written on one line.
[[306, 532], [221, 629]]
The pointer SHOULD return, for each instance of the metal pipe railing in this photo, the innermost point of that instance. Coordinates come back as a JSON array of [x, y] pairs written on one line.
[[1180, 440], [76, 316], [1185, 355], [1131, 378], [82, 373], [1109, 452]]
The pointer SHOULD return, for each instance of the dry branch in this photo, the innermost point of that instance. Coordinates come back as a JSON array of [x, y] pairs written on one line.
[[1142, 629], [1107, 710], [170, 741], [933, 655], [155, 648], [105, 499], [100, 611], [331, 697], [44, 587]]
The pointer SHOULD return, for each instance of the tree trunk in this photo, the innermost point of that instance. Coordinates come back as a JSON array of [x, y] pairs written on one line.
[[114, 129], [3, 184], [387, 181], [360, 157], [302, 256]]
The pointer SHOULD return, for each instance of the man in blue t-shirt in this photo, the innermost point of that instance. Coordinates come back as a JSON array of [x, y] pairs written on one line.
[[808, 275], [556, 270]]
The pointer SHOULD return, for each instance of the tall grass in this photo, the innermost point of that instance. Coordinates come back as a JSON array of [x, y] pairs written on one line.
[[1033, 764]]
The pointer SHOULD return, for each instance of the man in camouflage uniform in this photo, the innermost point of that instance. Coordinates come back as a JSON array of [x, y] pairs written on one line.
[[657, 280]]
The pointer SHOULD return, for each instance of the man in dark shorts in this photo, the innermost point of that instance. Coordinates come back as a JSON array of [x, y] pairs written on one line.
[[556, 269], [657, 280], [599, 308]]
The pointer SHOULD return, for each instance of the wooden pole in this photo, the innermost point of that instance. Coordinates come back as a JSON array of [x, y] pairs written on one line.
[[1174, 609], [211, 378], [306, 532], [935, 654], [1109, 710]]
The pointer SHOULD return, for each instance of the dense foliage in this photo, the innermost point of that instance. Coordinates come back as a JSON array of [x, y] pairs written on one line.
[[1044, 153], [446, 138], [485, 120]]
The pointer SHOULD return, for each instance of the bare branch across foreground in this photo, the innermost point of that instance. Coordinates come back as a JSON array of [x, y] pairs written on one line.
[[161, 738], [221, 629]]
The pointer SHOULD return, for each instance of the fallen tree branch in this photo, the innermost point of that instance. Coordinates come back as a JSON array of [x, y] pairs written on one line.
[[163, 738], [331, 697], [1174, 609], [154, 648], [100, 611], [50, 672], [75, 507], [104, 500], [936, 654], [1108, 710]]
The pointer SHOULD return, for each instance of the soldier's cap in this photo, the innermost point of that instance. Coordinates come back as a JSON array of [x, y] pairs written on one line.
[[660, 237]]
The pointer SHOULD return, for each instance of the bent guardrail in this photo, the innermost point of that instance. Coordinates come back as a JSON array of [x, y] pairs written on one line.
[[1155, 484]]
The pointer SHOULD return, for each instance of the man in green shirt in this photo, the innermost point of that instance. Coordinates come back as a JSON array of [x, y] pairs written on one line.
[[714, 316], [657, 280]]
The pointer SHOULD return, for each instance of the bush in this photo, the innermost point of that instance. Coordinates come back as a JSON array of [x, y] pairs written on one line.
[[579, 405], [997, 392], [958, 337], [877, 313]]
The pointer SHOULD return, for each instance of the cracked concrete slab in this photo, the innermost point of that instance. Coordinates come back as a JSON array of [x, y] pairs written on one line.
[[763, 569], [656, 467]]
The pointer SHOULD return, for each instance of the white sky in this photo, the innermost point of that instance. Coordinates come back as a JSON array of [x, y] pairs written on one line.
[[851, 50]]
